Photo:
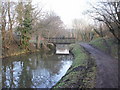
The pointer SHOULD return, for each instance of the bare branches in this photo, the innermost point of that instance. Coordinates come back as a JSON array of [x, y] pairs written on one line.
[[108, 13]]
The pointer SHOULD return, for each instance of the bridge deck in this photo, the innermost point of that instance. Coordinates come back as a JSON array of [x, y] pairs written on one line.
[[61, 40]]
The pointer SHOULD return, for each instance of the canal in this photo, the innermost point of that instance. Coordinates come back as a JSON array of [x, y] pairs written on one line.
[[34, 70]]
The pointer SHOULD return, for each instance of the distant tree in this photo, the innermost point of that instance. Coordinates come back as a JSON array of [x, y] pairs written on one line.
[[53, 25], [48, 24], [82, 31]]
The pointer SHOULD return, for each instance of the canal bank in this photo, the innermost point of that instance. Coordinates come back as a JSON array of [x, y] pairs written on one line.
[[32, 49], [82, 72], [18, 53]]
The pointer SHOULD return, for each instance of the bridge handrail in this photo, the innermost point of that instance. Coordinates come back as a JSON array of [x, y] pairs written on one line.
[[59, 38]]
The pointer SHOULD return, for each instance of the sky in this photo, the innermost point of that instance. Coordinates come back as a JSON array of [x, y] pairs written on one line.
[[68, 10]]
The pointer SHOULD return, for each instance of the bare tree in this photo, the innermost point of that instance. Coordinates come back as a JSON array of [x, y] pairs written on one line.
[[82, 31], [3, 24], [99, 29], [50, 25], [108, 13], [46, 24], [11, 19], [54, 25]]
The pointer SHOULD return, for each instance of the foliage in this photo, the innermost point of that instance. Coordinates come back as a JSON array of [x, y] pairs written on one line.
[[25, 23]]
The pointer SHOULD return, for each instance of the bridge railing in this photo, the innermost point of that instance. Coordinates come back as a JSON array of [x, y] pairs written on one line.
[[61, 40]]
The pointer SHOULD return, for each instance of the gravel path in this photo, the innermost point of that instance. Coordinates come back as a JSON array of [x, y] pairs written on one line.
[[107, 68]]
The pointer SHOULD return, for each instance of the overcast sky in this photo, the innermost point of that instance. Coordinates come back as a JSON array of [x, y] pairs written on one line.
[[67, 9]]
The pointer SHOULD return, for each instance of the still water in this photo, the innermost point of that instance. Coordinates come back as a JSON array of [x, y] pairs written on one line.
[[34, 70]]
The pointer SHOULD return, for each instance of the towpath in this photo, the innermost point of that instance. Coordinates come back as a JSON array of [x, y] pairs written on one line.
[[107, 68]]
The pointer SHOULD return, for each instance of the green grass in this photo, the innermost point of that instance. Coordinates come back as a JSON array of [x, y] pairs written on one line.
[[99, 42], [112, 43], [79, 74], [80, 56]]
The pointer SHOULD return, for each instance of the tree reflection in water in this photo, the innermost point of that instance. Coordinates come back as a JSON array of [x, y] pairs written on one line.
[[34, 70]]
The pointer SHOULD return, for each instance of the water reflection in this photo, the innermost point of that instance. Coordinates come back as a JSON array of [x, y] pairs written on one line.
[[0, 74], [34, 70]]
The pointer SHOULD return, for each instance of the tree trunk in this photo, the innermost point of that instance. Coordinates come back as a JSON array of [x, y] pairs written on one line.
[[3, 40], [10, 26]]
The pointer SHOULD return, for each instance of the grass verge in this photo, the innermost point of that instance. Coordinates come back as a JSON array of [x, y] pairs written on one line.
[[110, 45], [82, 73]]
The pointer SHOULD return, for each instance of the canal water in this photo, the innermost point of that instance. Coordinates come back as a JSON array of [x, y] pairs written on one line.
[[34, 70]]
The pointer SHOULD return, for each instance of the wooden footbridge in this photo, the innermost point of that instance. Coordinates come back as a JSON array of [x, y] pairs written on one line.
[[61, 40]]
